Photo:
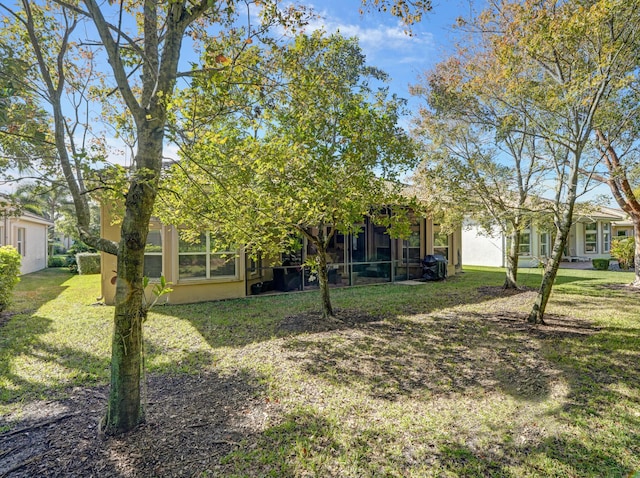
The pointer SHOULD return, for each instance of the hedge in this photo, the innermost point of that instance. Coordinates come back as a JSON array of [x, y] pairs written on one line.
[[9, 274], [88, 263], [600, 264]]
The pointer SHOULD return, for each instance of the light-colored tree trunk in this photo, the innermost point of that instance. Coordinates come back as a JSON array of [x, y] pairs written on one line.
[[511, 276]]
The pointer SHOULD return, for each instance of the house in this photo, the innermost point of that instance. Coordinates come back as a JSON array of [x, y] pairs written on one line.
[[198, 272], [589, 238], [28, 233]]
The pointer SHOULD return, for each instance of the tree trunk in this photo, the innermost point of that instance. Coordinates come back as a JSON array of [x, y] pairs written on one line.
[[636, 258], [511, 278], [323, 280], [124, 408]]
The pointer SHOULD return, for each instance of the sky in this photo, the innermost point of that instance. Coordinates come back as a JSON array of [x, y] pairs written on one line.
[[385, 43]]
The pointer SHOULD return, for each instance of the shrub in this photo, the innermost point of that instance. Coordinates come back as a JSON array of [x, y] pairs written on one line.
[[71, 263], [56, 262], [623, 250], [78, 247], [88, 263], [600, 264], [9, 274]]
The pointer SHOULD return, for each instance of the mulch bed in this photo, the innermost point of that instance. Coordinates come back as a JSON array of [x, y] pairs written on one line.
[[192, 422]]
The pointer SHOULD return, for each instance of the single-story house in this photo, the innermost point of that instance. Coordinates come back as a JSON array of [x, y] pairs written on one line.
[[589, 238], [29, 234], [200, 273]]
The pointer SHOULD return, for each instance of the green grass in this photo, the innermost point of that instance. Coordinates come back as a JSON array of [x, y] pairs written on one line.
[[449, 383]]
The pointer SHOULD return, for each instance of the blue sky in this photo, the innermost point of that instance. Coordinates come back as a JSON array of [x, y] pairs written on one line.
[[385, 43]]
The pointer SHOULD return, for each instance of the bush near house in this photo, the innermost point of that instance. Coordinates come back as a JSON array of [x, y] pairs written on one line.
[[56, 261], [9, 274], [88, 263], [600, 264], [623, 251]]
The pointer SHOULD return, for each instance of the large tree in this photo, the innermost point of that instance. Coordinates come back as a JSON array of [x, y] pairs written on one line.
[[482, 159], [560, 63], [326, 151], [142, 43]]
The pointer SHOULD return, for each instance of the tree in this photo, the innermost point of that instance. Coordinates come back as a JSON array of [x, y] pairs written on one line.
[[143, 73], [328, 152], [482, 158], [563, 61], [621, 187]]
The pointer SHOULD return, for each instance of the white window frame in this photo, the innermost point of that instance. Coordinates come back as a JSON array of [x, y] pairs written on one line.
[[524, 247], [155, 227], [21, 240], [208, 255], [606, 237], [592, 243], [545, 243]]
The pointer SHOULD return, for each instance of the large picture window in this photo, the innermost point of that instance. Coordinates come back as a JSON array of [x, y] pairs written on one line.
[[198, 260], [591, 238]]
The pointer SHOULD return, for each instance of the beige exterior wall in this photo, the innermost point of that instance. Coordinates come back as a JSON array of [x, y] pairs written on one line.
[[184, 290], [200, 290]]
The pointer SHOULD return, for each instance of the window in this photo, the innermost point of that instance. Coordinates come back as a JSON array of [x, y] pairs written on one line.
[[255, 265], [622, 233], [411, 246], [197, 261], [22, 241], [606, 237], [545, 245], [153, 254], [591, 238], [441, 244], [525, 243]]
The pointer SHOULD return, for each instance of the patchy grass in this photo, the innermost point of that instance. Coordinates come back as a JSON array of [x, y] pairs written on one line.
[[444, 379]]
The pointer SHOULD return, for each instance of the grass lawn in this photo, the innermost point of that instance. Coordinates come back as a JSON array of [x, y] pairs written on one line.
[[444, 379]]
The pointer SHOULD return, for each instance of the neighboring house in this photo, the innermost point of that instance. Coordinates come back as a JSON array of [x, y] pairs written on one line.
[[199, 274], [29, 234], [589, 238]]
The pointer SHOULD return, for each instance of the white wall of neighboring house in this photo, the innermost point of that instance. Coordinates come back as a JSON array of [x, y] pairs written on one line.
[[28, 234], [589, 238], [479, 249]]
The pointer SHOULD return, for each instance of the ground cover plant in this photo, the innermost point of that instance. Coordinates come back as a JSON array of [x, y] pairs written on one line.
[[436, 379]]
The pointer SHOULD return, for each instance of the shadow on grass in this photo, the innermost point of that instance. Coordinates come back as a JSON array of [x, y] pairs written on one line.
[[239, 322], [441, 355], [22, 347]]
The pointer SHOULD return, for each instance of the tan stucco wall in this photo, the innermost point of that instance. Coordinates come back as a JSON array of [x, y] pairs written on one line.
[[185, 291]]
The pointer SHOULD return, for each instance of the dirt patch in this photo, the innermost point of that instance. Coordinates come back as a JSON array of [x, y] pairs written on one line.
[[499, 291], [192, 422], [314, 322]]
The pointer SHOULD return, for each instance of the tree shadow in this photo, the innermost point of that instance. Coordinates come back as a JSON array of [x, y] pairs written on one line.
[[240, 322], [446, 354], [25, 345]]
